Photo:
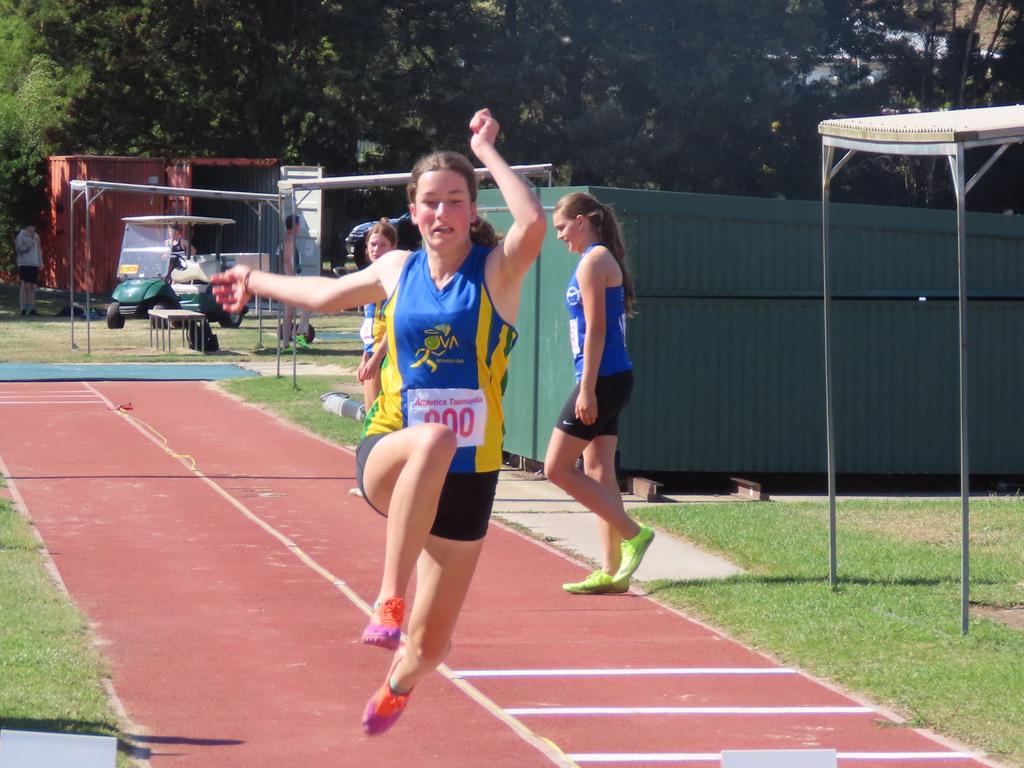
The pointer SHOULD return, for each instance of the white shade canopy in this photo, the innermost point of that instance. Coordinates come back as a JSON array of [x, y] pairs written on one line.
[[989, 125]]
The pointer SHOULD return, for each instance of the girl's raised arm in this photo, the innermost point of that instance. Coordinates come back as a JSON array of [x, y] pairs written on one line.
[[522, 242]]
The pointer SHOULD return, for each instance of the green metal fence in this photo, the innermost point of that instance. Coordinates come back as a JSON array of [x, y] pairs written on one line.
[[728, 348]]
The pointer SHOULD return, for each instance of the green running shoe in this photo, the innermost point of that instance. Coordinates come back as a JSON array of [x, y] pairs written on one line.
[[597, 583], [633, 551], [300, 340]]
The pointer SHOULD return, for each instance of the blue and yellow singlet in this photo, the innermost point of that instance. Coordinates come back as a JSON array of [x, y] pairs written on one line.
[[372, 327], [448, 353]]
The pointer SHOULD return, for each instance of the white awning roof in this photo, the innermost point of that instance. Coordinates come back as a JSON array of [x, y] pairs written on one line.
[[987, 125]]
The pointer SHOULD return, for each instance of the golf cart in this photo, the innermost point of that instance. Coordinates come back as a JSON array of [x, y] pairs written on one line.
[[158, 269]]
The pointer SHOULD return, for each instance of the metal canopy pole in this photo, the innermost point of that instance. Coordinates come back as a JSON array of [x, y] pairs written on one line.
[[71, 262], [827, 153], [259, 261], [295, 314], [956, 163], [396, 179], [280, 226], [88, 269]]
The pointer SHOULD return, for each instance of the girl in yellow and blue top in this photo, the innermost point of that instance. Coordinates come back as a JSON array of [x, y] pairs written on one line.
[[432, 446], [599, 298], [381, 238]]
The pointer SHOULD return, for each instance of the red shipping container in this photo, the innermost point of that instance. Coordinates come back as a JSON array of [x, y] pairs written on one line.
[[95, 268]]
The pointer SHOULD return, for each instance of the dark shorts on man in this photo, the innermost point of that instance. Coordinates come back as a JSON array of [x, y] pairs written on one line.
[[464, 509], [613, 392], [29, 274]]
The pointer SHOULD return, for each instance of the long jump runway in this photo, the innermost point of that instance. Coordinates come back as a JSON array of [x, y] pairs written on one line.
[[225, 570]]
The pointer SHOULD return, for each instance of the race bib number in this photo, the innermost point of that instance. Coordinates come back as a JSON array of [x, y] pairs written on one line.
[[366, 330], [574, 336], [464, 411]]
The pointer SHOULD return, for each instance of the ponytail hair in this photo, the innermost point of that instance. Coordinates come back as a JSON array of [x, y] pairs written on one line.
[[482, 233], [602, 217]]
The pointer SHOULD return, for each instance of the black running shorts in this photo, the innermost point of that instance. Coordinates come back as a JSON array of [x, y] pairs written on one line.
[[466, 499], [613, 393]]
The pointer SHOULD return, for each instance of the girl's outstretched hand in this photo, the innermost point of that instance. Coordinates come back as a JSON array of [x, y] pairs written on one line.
[[485, 130], [231, 288]]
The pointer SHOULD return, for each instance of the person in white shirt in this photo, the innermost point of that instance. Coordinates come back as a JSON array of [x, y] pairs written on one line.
[[29, 259]]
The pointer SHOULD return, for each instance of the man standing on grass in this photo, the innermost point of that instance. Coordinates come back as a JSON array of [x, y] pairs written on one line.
[[288, 254], [30, 259]]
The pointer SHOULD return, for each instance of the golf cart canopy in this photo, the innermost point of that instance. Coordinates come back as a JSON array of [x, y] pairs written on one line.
[[145, 247]]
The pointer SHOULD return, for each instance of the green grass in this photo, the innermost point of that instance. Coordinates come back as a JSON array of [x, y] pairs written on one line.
[[50, 677], [47, 339], [302, 406], [891, 629]]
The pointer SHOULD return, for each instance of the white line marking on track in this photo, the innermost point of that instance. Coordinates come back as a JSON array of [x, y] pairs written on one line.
[[47, 393], [529, 711], [715, 757], [90, 401], [625, 672]]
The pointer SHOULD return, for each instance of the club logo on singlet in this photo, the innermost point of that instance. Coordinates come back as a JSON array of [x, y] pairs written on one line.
[[438, 342], [572, 296]]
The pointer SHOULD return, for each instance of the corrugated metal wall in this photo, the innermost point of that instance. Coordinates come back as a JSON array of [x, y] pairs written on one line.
[[541, 373], [235, 175], [95, 269], [728, 339]]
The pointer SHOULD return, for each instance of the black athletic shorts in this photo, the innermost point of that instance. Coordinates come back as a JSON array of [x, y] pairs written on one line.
[[29, 274], [466, 499], [613, 393]]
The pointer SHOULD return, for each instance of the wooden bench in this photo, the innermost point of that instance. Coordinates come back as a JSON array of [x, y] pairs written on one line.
[[162, 320]]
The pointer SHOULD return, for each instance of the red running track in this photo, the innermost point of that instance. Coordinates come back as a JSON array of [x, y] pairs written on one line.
[[202, 538]]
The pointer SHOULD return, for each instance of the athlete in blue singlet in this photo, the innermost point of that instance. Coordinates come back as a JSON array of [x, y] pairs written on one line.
[[599, 298], [432, 443], [614, 357]]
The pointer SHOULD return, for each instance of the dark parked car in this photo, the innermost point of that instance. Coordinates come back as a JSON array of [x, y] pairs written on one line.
[[355, 243]]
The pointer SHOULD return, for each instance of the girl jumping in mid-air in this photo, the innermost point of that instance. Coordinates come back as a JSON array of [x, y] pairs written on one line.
[[431, 446]]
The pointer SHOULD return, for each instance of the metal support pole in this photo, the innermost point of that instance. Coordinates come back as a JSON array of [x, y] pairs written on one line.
[[88, 270], [827, 153], [71, 262], [295, 314], [259, 262], [957, 167]]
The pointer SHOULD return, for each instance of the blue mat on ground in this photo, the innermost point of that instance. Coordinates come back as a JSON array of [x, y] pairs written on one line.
[[121, 371], [337, 336]]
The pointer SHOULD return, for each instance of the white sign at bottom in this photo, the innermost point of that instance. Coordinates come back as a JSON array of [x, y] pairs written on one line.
[[777, 758], [35, 749]]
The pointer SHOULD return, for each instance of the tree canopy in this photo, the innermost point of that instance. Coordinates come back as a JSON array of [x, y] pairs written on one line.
[[685, 95]]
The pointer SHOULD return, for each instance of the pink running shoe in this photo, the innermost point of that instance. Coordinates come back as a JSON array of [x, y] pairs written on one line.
[[385, 627], [385, 706]]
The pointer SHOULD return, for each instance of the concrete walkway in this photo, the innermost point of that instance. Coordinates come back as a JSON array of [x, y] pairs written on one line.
[[536, 504]]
